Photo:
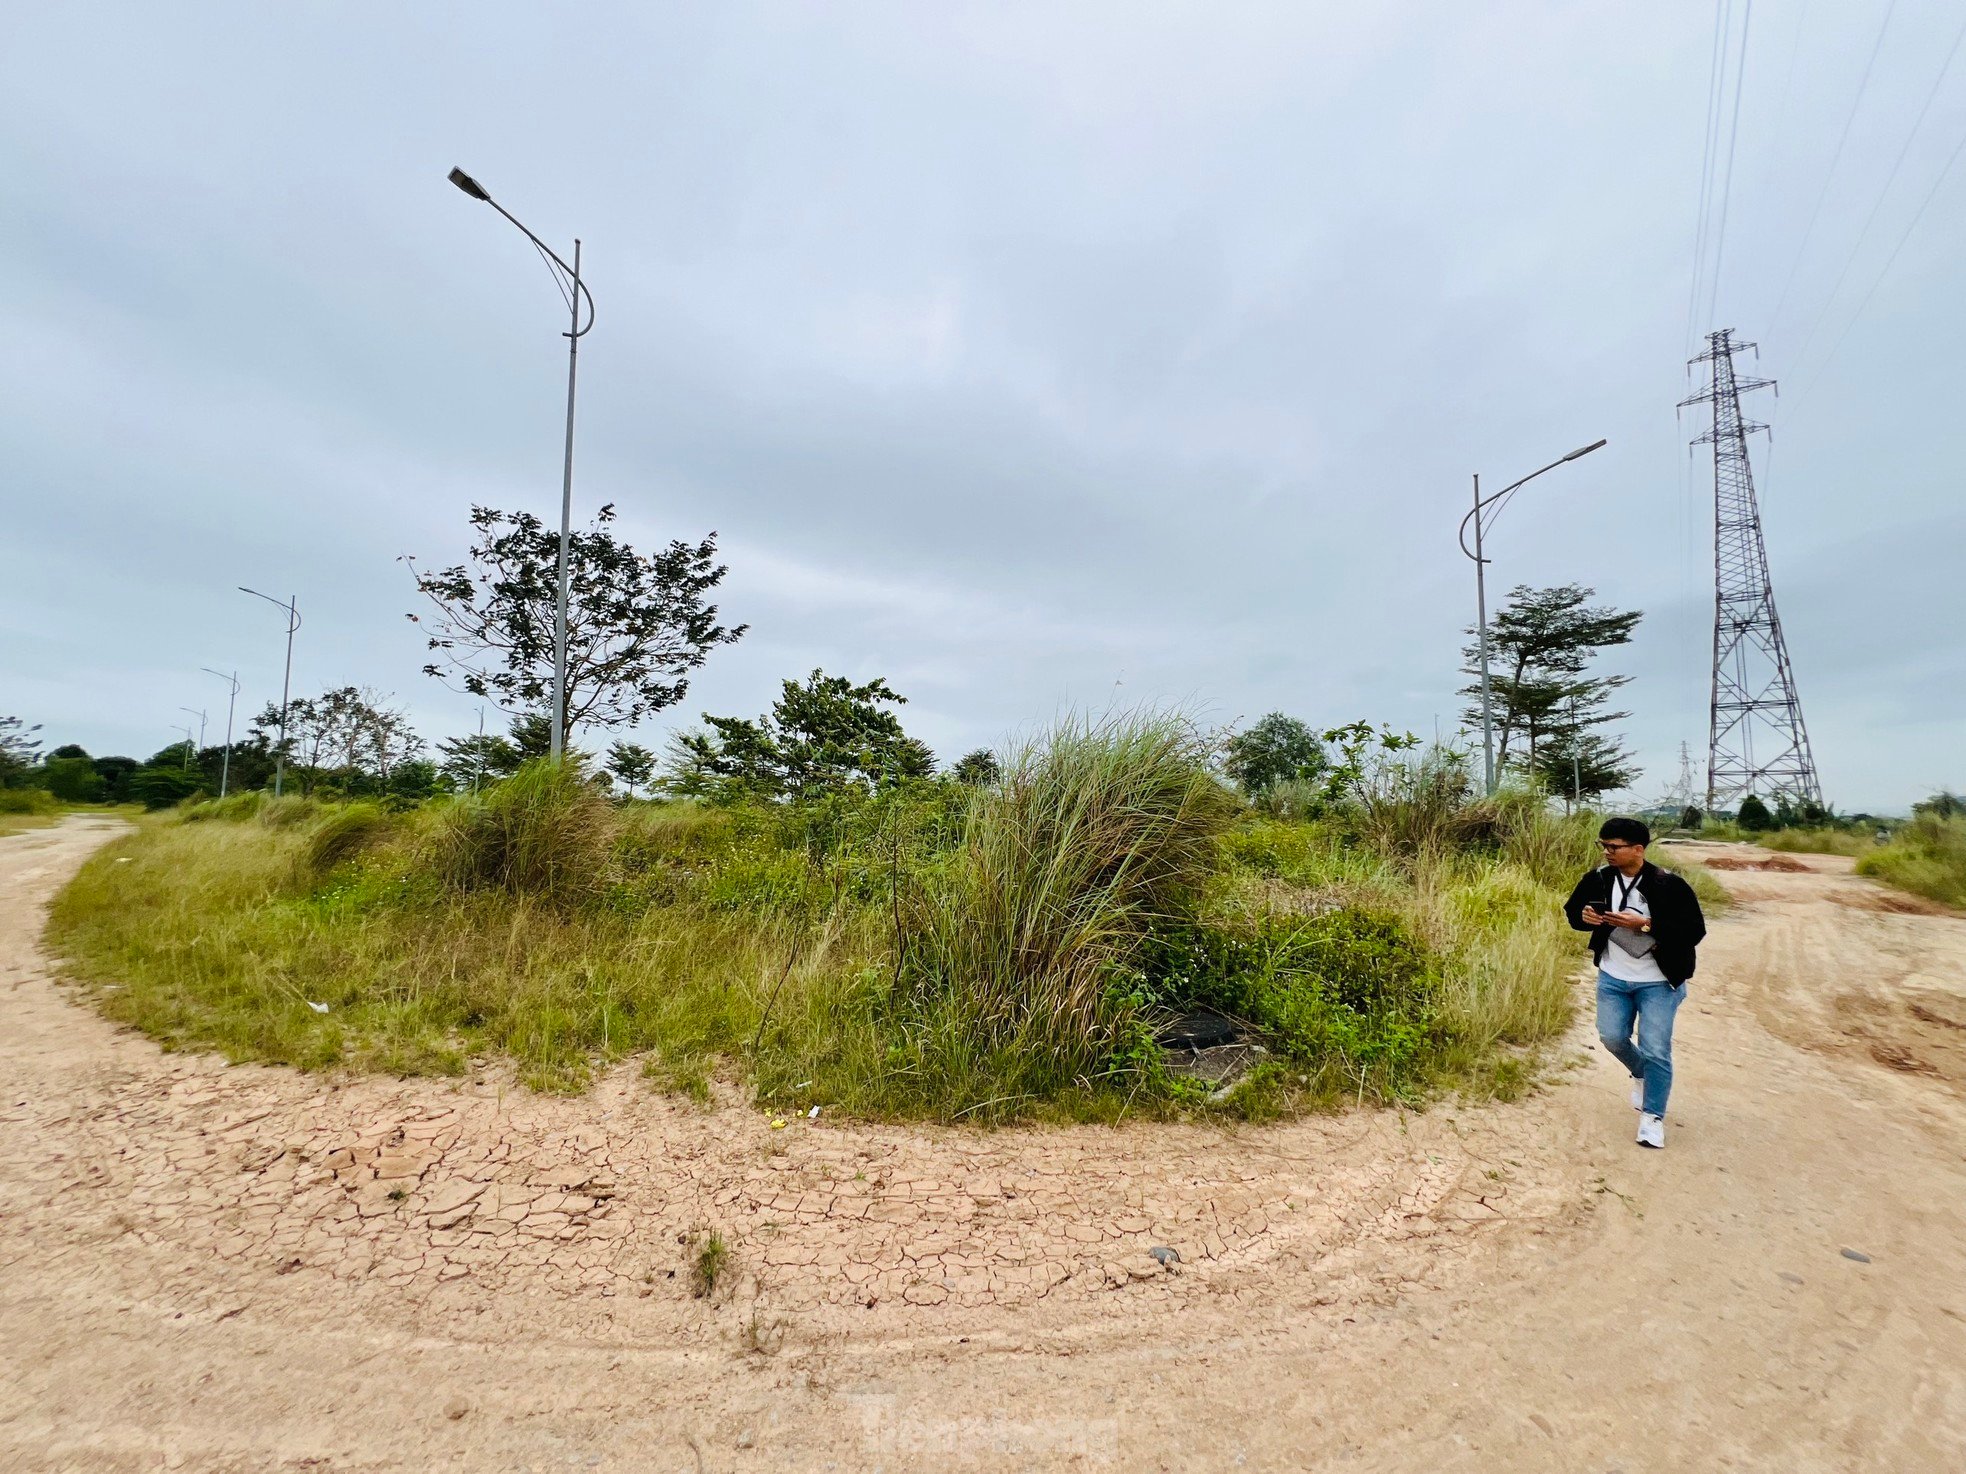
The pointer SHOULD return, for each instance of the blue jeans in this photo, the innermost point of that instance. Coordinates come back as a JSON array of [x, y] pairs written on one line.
[[1651, 1006]]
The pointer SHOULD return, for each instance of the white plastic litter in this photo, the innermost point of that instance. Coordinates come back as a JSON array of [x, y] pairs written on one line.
[[813, 1114], [317, 1007]]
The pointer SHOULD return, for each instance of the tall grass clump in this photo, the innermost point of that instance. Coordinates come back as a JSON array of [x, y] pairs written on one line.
[[546, 832], [1926, 857], [1096, 836], [1822, 841], [349, 831]]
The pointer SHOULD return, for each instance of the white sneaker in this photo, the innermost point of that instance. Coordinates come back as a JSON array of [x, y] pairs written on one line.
[[1638, 1095], [1651, 1130]]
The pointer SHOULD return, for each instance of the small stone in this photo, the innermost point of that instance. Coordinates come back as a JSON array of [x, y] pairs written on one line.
[[1793, 1279], [746, 1439], [456, 1408], [1853, 1254], [1544, 1423], [1165, 1255]]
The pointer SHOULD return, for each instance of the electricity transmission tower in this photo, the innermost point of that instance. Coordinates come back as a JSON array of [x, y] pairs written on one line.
[[1680, 797], [1757, 743]]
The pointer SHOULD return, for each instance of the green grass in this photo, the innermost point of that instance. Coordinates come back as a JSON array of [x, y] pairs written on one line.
[[1926, 857], [1823, 841], [935, 951]]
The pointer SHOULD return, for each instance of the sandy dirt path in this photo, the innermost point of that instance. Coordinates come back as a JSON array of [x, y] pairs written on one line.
[[216, 1268]]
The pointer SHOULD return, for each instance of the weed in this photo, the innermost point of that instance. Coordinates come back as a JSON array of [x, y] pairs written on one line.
[[712, 1259]]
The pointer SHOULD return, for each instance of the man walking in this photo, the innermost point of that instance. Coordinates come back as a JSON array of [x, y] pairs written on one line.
[[1645, 924]]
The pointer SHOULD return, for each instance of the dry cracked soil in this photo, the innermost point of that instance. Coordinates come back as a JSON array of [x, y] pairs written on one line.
[[206, 1267]]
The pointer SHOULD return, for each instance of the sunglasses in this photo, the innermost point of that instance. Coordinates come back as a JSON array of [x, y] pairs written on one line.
[[1615, 844]]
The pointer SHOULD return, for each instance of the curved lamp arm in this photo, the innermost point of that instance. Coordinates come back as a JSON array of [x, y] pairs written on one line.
[[1490, 506], [478, 192]]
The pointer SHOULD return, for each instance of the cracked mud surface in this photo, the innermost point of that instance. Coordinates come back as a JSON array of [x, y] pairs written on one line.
[[206, 1267]]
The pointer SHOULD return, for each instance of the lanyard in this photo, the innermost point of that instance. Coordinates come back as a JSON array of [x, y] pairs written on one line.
[[1621, 894]]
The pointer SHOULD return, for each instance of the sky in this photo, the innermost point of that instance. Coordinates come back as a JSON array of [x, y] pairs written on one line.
[[1038, 358]]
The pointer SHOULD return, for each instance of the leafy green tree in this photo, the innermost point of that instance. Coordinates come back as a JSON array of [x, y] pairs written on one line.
[[115, 774], [825, 734], [69, 749], [1542, 641], [483, 757], [1690, 817], [636, 627], [1754, 816], [1944, 804], [1582, 765], [1277, 749], [72, 779], [413, 780], [632, 763], [19, 749], [349, 738], [979, 769], [159, 786]]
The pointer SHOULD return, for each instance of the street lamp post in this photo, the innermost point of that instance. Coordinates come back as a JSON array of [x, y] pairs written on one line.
[[192, 711], [1484, 512], [573, 289], [292, 608], [225, 765]]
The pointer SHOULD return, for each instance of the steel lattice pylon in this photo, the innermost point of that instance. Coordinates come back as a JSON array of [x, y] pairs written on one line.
[[1757, 743]]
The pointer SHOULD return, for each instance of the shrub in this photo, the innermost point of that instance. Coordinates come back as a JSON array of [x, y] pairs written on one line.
[[543, 832], [1352, 988], [27, 801]]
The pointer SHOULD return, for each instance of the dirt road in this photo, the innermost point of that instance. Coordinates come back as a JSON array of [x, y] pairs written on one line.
[[215, 1269]]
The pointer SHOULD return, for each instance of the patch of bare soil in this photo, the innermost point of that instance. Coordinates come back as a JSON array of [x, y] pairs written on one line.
[[1786, 864], [212, 1268]]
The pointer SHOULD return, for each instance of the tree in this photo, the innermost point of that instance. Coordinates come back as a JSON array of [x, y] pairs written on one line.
[[348, 735], [979, 769], [19, 748], [1944, 804], [115, 774], [636, 626], [824, 734], [482, 757], [1275, 750], [1541, 642], [1690, 817], [632, 763], [73, 779], [1754, 816], [1581, 765], [159, 785]]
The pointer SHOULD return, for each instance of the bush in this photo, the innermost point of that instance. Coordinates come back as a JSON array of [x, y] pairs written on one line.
[[545, 832], [27, 801], [1351, 989]]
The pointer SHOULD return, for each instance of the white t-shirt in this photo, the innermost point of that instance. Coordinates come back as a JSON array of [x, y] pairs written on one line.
[[1620, 964]]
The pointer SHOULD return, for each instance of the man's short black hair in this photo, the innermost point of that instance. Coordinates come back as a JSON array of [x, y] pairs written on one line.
[[1631, 831]]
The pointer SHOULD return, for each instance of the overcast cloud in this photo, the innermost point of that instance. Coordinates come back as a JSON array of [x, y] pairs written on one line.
[[1032, 357]]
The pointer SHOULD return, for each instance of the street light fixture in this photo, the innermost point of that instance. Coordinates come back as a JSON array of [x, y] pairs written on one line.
[[1483, 514], [292, 608], [225, 764], [572, 288], [195, 712]]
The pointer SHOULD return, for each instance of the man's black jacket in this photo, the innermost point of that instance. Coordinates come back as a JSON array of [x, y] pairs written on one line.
[[1677, 925]]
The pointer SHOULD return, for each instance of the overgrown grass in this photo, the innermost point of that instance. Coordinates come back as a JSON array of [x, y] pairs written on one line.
[[935, 950], [1926, 857], [1823, 841], [27, 808]]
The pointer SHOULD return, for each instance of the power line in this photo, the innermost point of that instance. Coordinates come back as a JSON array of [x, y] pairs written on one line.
[[1716, 70], [1835, 158], [1885, 269], [1871, 219], [1733, 137]]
